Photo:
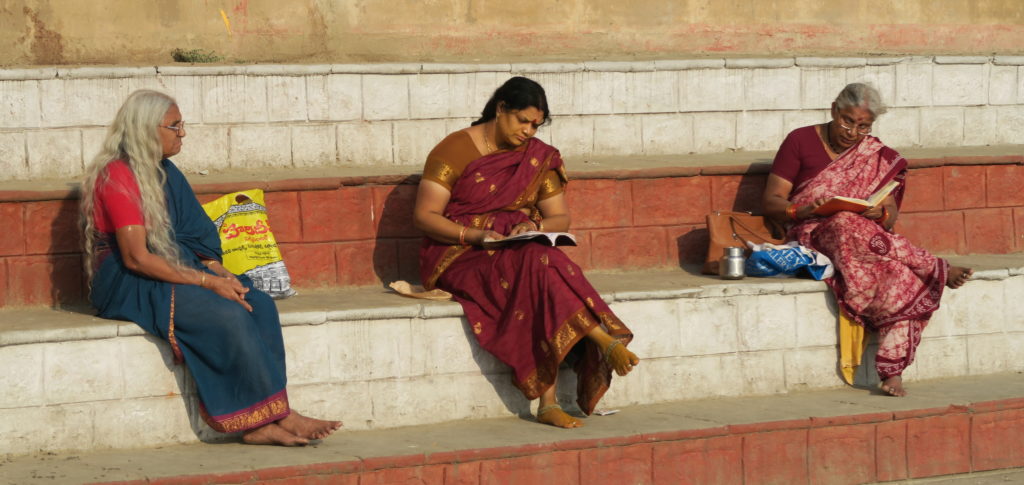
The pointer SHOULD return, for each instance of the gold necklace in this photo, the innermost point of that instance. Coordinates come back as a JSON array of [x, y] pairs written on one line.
[[828, 138], [487, 143]]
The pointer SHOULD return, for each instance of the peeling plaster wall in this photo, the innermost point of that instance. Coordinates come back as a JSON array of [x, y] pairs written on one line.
[[47, 32]]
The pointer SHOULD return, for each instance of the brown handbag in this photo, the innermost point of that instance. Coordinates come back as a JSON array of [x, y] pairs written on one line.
[[734, 229]]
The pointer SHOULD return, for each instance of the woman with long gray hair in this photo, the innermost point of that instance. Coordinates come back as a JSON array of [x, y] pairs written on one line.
[[153, 257], [882, 282]]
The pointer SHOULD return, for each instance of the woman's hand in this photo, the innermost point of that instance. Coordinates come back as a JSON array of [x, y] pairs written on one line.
[[807, 211], [874, 213], [481, 237], [522, 227], [219, 269], [229, 288]]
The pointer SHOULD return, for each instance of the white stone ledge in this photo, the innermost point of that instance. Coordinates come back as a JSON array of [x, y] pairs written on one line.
[[442, 68], [105, 72], [463, 68], [885, 61], [991, 274], [831, 61], [541, 67], [194, 70], [686, 64], [303, 318], [93, 331], [1008, 60], [382, 68], [129, 329], [28, 74], [669, 294], [288, 70], [756, 336], [379, 313], [962, 60], [619, 66], [759, 63]]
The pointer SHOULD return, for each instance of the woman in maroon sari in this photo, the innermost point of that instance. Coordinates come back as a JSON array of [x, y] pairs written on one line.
[[883, 281], [527, 303]]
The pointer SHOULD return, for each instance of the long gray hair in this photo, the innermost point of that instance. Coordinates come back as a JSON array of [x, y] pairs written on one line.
[[133, 138], [861, 94]]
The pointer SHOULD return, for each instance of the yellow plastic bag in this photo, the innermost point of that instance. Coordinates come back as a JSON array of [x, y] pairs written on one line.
[[248, 244]]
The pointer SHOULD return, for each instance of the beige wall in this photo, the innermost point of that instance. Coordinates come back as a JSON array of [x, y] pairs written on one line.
[[41, 32]]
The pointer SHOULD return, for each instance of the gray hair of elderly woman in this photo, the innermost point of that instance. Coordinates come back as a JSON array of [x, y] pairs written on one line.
[[861, 94]]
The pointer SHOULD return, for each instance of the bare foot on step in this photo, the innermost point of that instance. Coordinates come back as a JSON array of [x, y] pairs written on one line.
[[309, 428], [272, 434], [555, 416], [958, 276], [893, 386]]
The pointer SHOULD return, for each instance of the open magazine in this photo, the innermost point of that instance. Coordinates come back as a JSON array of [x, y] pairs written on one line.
[[549, 238], [836, 204]]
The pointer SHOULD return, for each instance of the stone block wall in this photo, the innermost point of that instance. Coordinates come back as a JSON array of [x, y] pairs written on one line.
[[52, 120], [95, 386], [358, 231]]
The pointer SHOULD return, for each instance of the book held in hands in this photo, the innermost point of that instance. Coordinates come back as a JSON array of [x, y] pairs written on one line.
[[549, 238], [836, 204]]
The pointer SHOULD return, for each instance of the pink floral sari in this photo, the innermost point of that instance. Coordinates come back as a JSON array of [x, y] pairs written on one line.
[[527, 304], [883, 281]]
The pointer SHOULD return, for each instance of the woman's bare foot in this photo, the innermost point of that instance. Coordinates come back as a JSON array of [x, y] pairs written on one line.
[[893, 386], [958, 276], [555, 416], [309, 428], [272, 434], [620, 358]]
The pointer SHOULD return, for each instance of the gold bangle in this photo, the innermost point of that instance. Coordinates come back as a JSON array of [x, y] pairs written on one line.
[[791, 211], [462, 235], [202, 280]]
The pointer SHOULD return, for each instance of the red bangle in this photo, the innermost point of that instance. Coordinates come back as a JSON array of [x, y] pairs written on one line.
[[791, 211], [462, 236]]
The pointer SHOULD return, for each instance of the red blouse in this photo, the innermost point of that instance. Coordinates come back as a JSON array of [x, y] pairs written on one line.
[[801, 156], [116, 200]]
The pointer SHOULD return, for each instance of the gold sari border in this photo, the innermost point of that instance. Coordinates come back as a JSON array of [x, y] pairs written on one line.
[[571, 331], [264, 412], [179, 358]]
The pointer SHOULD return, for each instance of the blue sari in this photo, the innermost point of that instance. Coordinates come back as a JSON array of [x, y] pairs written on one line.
[[236, 357]]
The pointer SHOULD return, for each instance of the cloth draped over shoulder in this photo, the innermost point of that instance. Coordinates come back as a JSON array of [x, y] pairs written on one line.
[[235, 357], [883, 281], [527, 304]]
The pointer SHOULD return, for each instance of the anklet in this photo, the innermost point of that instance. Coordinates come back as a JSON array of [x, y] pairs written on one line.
[[547, 408], [608, 350]]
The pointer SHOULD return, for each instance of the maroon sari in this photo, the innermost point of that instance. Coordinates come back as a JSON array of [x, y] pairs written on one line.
[[527, 303], [882, 280]]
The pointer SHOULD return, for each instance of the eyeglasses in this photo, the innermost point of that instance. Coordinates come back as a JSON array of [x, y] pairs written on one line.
[[179, 128], [861, 129]]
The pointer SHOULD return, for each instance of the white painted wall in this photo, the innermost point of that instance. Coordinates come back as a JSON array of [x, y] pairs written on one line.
[[52, 120]]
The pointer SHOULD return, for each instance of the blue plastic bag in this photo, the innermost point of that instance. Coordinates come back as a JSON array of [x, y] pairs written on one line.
[[791, 259]]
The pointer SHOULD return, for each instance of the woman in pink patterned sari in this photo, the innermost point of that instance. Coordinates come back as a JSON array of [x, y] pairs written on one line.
[[527, 303], [883, 281]]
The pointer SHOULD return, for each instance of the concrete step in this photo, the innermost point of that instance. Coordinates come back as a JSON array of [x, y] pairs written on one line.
[[377, 360], [838, 436]]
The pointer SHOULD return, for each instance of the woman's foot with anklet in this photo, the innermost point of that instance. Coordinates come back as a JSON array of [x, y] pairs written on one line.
[[272, 434], [619, 357], [554, 415]]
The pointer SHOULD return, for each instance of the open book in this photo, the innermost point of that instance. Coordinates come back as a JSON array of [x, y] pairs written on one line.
[[549, 238], [837, 204]]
